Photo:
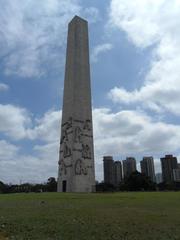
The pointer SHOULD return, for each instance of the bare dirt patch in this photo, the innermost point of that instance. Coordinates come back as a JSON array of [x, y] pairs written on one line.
[[3, 236]]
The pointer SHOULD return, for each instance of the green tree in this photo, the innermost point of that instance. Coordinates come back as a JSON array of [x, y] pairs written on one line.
[[51, 184], [138, 182], [3, 187]]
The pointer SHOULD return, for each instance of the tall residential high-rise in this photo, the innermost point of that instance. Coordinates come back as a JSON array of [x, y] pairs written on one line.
[[108, 164], [117, 173], [76, 157], [147, 168], [168, 163], [129, 166], [112, 171], [176, 174]]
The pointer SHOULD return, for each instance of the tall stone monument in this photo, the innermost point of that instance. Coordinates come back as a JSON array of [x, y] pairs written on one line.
[[76, 157]]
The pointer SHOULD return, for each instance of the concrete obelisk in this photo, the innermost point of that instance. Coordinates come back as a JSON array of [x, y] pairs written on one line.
[[76, 157]]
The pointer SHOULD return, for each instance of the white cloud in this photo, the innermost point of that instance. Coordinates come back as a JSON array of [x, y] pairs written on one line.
[[38, 167], [139, 19], [4, 87], [32, 33], [146, 23], [91, 13], [17, 123], [99, 49], [8, 158], [27, 168], [132, 132], [14, 121], [121, 134], [47, 128], [7, 151]]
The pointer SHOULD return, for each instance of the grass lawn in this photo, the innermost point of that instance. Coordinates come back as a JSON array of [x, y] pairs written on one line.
[[64, 216]]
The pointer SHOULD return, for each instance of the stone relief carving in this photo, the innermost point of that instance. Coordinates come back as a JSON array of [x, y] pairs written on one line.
[[87, 125], [69, 123], [78, 121], [86, 135], [77, 150], [89, 166], [78, 135], [80, 168], [86, 152], [64, 136], [63, 167], [66, 151], [65, 132]]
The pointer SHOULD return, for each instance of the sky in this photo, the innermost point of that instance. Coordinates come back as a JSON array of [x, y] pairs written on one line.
[[135, 79]]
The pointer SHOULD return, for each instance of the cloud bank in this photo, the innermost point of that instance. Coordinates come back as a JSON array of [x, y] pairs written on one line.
[[120, 134], [152, 23], [32, 34], [99, 49]]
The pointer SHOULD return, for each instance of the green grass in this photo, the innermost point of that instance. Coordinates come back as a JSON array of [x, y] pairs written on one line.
[[126, 216]]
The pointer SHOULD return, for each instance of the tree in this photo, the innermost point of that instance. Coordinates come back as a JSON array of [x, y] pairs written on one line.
[[51, 184], [138, 182], [2, 187], [105, 187]]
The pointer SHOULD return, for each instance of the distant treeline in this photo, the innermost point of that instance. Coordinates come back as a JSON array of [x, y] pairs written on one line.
[[135, 182], [138, 182], [49, 186]]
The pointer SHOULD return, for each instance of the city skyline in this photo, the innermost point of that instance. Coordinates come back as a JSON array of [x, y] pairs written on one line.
[[138, 161], [170, 169], [134, 55]]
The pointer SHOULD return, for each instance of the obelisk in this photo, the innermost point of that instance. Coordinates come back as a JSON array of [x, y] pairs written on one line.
[[76, 156]]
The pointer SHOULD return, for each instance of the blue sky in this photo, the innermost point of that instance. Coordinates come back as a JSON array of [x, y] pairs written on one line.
[[135, 78]]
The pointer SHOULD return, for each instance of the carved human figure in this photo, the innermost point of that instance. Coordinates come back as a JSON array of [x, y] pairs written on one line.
[[78, 135], [87, 125], [62, 167], [86, 152], [69, 123], [64, 136], [80, 167], [66, 151]]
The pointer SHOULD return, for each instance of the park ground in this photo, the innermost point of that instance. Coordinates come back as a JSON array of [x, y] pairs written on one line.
[[100, 216]]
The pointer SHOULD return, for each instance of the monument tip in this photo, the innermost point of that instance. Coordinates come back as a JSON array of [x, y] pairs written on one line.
[[77, 18]]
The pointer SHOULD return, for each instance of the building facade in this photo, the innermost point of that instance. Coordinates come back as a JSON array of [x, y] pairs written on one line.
[[176, 174], [147, 168], [117, 173], [112, 171], [108, 164], [168, 163], [129, 166]]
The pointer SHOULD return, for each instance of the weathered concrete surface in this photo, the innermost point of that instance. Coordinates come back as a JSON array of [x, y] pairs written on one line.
[[76, 158]]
